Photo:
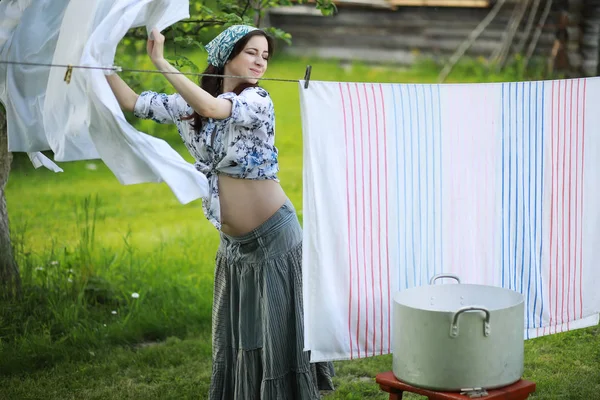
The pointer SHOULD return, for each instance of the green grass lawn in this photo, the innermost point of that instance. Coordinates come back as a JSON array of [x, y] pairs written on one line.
[[85, 244]]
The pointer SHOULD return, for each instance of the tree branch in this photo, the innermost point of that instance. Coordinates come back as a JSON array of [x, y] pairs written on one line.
[[245, 9], [204, 21]]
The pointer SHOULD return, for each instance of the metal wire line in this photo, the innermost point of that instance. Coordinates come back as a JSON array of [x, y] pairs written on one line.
[[152, 71]]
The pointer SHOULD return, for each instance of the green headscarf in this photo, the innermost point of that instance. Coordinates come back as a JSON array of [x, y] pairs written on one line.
[[220, 48]]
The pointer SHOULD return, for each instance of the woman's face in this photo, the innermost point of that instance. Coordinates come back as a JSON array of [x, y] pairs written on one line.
[[252, 61]]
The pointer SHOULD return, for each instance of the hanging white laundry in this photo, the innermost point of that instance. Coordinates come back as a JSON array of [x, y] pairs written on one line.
[[83, 120], [134, 156], [497, 183], [23, 110], [39, 160], [11, 12], [34, 41], [66, 113]]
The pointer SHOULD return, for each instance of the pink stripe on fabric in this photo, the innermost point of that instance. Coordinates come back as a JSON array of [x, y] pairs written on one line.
[[378, 237], [370, 219], [569, 264], [581, 205], [378, 225], [562, 218], [355, 219], [387, 219], [577, 221], [364, 211], [553, 132], [349, 228]]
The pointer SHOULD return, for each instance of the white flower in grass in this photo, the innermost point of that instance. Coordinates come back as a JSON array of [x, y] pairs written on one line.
[[39, 269], [71, 271], [135, 295], [69, 280], [113, 312], [105, 325], [53, 262]]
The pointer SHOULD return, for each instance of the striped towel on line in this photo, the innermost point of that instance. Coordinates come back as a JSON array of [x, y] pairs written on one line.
[[497, 183]]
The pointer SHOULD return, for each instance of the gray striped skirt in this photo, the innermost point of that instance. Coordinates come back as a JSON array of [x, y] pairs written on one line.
[[257, 319]]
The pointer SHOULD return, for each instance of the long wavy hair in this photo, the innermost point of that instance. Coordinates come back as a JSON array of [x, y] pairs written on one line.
[[214, 85]]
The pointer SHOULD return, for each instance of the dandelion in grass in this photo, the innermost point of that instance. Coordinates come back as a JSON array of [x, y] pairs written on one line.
[[135, 295]]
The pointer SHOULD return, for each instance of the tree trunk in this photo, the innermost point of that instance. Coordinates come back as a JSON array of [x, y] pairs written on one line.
[[10, 280]]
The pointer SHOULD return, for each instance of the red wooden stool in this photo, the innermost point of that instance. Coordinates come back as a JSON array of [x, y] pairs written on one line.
[[388, 383]]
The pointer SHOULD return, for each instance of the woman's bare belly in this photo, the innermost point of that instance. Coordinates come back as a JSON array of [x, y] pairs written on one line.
[[246, 203]]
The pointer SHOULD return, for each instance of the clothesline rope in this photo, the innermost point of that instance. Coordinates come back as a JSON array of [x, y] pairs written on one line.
[[120, 69]]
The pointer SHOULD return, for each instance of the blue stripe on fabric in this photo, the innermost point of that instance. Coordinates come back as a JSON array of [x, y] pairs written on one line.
[[440, 178], [503, 165], [425, 114], [523, 184], [433, 191], [509, 186], [535, 202], [418, 169], [509, 262], [404, 156], [412, 185], [531, 225], [397, 133], [543, 130], [516, 136]]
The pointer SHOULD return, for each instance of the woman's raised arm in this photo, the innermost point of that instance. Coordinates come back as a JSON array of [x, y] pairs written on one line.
[[124, 94], [199, 99]]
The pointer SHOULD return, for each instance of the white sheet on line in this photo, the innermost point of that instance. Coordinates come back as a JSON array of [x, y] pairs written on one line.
[[498, 183]]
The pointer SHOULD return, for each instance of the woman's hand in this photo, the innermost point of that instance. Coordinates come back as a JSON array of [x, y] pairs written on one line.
[[199, 99], [155, 47]]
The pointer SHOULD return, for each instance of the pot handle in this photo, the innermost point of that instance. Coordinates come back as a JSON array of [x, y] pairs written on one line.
[[440, 276], [486, 324]]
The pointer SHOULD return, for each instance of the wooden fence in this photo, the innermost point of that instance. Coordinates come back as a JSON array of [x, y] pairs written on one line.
[[399, 31]]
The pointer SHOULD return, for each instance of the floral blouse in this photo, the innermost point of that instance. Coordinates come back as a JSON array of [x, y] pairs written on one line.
[[241, 145]]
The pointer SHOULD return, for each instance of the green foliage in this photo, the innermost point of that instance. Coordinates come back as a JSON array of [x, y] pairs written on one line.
[[208, 18]]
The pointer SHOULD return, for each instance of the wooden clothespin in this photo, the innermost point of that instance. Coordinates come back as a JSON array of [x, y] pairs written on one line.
[[68, 74], [307, 76]]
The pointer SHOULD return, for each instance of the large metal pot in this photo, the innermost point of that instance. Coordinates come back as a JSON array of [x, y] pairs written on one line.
[[458, 336]]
